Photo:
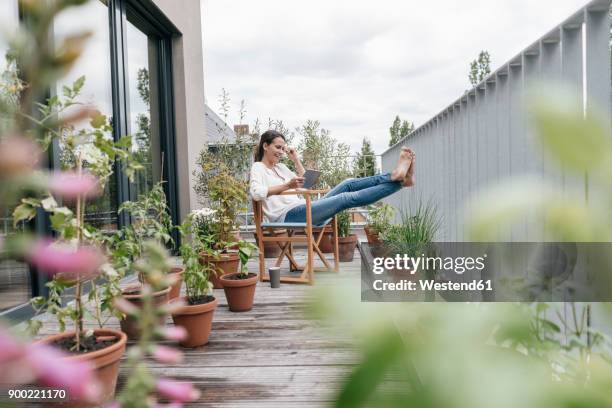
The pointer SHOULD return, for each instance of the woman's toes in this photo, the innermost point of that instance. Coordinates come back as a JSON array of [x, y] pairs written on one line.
[[403, 164], [408, 181]]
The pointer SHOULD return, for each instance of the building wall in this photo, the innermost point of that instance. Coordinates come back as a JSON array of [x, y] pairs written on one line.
[[188, 93]]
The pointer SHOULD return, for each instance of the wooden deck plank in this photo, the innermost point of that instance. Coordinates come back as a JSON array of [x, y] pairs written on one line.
[[271, 356]]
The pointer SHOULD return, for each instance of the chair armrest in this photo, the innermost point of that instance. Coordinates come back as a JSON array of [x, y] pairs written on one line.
[[303, 192]]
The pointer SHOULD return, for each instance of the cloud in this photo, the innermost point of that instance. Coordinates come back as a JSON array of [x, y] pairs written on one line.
[[354, 65]]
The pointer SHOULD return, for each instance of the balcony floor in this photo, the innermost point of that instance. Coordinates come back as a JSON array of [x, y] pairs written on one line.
[[271, 356]]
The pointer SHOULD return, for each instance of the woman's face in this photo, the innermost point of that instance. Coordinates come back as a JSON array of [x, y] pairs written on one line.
[[275, 151]]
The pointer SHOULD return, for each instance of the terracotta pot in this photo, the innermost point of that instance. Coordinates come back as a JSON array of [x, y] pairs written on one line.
[[371, 235], [197, 320], [175, 289], [226, 264], [327, 243], [271, 249], [239, 292], [346, 247], [129, 325], [105, 361]]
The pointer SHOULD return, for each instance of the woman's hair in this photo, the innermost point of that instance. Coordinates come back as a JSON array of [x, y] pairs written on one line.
[[266, 138]]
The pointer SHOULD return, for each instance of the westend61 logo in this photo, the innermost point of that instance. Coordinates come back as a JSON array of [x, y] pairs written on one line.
[[459, 265]]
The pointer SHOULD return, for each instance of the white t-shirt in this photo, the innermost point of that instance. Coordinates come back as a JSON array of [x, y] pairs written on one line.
[[274, 207]]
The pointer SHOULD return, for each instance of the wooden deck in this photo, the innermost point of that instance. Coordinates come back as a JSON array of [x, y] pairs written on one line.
[[271, 356]]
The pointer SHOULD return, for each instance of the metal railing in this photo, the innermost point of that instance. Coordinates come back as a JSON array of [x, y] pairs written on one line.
[[484, 136]]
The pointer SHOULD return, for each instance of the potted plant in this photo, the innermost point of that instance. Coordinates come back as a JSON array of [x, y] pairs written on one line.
[[380, 217], [197, 313], [225, 191], [214, 254], [347, 242], [150, 222], [75, 258], [240, 287]]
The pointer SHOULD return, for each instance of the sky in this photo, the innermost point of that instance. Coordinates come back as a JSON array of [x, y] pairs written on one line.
[[355, 65]]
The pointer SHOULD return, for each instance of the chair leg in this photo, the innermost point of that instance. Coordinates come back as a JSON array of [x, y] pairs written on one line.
[[336, 250], [262, 261]]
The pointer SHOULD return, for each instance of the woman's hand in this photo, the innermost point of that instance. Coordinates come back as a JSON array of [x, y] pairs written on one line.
[[291, 153], [296, 182]]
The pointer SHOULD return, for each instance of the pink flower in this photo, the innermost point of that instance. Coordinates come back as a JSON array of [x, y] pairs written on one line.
[[53, 369], [73, 185], [175, 333], [167, 355], [19, 155], [54, 258], [177, 391], [114, 404], [125, 306]]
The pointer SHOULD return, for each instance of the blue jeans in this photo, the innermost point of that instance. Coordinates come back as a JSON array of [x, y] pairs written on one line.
[[350, 193]]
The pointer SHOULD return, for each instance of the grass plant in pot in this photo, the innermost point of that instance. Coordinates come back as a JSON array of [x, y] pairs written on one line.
[[199, 305], [413, 236], [347, 242]]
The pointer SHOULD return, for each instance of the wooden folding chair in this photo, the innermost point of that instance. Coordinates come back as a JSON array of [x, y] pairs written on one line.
[[312, 237]]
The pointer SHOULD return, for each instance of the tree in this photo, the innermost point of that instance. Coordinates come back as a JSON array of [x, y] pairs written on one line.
[[394, 131], [320, 151], [365, 162], [480, 68], [406, 129], [399, 130]]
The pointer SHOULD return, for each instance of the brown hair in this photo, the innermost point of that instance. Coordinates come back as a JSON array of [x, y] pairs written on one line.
[[266, 138]]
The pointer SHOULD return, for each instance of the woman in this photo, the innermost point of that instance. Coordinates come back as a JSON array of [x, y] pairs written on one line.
[[270, 177]]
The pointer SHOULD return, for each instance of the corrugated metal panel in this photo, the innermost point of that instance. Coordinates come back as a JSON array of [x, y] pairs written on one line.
[[483, 137]]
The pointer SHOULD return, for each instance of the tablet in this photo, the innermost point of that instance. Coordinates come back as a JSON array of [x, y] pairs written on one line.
[[311, 177]]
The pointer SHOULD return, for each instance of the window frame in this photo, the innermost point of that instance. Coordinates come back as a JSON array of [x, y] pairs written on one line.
[[147, 17]]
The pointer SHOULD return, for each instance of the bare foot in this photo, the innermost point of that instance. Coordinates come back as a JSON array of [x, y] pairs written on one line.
[[403, 164], [409, 179]]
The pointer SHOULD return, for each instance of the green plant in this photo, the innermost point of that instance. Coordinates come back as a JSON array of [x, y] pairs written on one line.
[[93, 153], [380, 217], [418, 227], [225, 191], [196, 274], [344, 223]]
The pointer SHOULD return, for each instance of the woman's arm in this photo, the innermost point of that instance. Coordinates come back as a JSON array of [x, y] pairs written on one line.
[[260, 191], [296, 182], [293, 156]]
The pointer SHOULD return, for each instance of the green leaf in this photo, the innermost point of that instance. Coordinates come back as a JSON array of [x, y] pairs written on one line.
[[364, 380], [58, 221], [23, 212], [98, 120], [78, 84], [66, 91]]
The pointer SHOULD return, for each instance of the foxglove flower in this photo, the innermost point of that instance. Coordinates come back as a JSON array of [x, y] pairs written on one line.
[[71, 186], [177, 391], [54, 258], [167, 355]]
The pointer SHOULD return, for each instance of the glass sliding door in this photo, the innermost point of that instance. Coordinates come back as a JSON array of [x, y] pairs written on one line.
[[15, 281], [143, 106], [95, 67]]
